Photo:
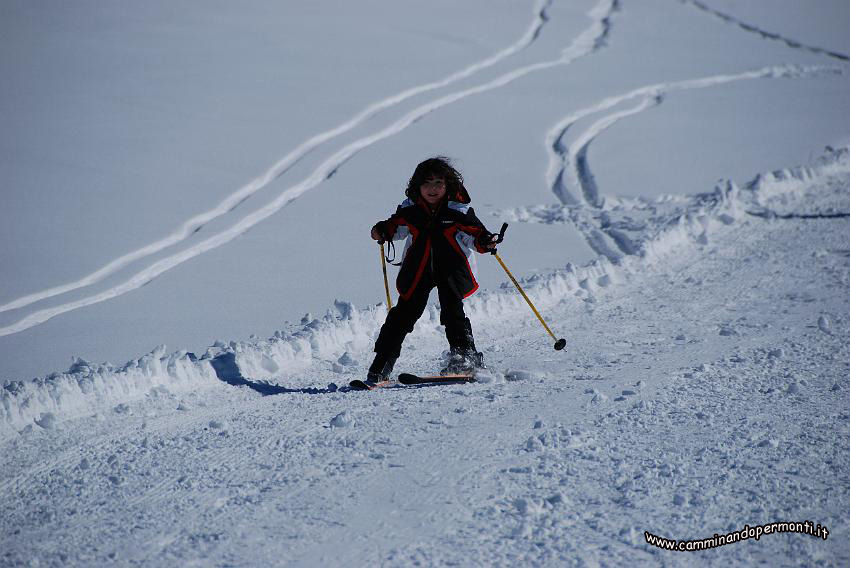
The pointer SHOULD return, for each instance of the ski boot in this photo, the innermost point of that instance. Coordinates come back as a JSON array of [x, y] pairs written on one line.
[[380, 369], [463, 361], [378, 375]]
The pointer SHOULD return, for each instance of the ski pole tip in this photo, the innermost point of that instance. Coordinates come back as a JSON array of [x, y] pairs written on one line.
[[560, 344]]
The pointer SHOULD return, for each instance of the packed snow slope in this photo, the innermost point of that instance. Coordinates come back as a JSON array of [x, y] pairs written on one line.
[[180, 175], [704, 388], [205, 178]]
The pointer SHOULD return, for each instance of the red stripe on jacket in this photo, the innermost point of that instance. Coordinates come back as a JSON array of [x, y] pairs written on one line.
[[451, 233]]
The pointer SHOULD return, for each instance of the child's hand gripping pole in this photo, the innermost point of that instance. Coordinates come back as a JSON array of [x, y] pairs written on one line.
[[386, 283], [559, 343]]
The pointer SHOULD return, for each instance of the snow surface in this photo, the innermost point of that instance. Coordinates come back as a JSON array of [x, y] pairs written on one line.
[[144, 154], [704, 390], [704, 384]]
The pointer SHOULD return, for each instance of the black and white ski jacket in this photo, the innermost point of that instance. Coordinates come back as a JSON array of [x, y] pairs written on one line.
[[440, 242]]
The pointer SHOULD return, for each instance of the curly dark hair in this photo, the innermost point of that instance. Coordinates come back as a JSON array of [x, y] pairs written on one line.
[[439, 167]]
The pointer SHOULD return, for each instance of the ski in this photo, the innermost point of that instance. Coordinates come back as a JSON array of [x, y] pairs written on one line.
[[363, 385], [410, 379]]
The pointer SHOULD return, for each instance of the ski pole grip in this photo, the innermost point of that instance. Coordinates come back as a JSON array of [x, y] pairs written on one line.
[[501, 236]]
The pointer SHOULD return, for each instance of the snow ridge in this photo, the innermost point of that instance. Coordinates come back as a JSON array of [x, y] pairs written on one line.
[[642, 227], [232, 201], [87, 388], [763, 33], [586, 43]]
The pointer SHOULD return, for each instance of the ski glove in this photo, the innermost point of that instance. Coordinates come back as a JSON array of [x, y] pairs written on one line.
[[381, 228], [484, 239]]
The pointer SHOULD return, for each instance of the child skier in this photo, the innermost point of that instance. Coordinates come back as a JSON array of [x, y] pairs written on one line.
[[441, 229]]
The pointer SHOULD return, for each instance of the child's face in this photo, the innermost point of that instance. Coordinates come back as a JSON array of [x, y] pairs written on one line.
[[433, 190]]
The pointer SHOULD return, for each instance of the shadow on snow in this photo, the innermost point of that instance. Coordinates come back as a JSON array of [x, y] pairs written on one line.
[[228, 371]]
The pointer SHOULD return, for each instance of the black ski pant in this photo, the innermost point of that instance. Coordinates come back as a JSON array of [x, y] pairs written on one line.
[[403, 316]]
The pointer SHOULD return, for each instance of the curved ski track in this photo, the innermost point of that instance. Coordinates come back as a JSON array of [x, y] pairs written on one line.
[[589, 41], [232, 201], [561, 156]]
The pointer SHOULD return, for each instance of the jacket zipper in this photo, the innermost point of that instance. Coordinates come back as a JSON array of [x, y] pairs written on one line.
[[431, 224]]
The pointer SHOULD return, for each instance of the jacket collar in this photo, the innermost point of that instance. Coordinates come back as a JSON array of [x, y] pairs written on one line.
[[424, 204]]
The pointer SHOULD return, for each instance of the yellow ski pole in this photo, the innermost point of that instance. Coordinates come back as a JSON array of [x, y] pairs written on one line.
[[559, 343], [386, 284]]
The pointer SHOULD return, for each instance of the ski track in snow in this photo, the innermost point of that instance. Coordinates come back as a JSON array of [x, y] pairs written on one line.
[[586, 180], [589, 41], [772, 215], [231, 202], [560, 175], [700, 394], [729, 19], [559, 154]]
